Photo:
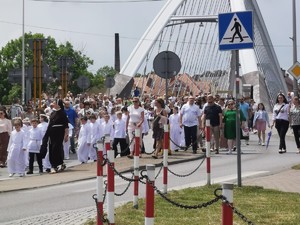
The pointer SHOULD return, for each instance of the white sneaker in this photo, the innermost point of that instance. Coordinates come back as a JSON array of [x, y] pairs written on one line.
[[10, 175], [259, 142], [263, 144], [21, 174], [229, 152]]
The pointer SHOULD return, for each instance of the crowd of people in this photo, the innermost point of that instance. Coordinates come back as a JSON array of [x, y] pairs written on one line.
[[74, 124]]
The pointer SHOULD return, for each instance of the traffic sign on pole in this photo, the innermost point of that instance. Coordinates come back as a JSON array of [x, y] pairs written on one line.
[[294, 70], [166, 65], [236, 30]]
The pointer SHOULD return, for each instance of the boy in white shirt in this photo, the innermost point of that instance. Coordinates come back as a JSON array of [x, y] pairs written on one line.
[[120, 135], [34, 145]]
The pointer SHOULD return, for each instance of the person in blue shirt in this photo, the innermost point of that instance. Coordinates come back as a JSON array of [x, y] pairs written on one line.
[[136, 92], [73, 119], [246, 110]]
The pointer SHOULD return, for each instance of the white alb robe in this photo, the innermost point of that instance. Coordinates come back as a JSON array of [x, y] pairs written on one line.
[[84, 139], [16, 159]]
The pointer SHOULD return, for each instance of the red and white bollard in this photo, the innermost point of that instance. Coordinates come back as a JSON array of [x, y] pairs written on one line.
[[207, 137], [136, 166], [227, 213], [110, 182], [99, 183], [149, 209], [165, 160]]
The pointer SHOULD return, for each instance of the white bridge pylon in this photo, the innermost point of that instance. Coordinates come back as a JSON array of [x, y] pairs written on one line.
[[198, 49], [150, 36]]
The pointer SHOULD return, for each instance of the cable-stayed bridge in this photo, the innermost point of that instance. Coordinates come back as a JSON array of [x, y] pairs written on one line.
[[190, 29]]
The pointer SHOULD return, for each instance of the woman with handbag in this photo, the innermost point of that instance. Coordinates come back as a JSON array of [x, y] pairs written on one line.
[[160, 118], [281, 120], [261, 119], [135, 120]]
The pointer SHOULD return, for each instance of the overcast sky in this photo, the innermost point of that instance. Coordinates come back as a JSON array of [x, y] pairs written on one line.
[[91, 27]]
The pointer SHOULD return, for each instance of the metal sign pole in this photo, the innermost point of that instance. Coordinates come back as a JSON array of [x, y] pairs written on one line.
[[167, 71], [238, 136]]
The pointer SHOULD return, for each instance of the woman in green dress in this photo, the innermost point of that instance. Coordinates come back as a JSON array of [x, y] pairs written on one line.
[[230, 124]]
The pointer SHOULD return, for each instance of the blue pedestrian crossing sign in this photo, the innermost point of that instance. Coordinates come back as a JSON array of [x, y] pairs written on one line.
[[236, 30]]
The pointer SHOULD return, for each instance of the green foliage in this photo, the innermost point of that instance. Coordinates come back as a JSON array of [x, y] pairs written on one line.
[[14, 93], [296, 167], [11, 58], [99, 79]]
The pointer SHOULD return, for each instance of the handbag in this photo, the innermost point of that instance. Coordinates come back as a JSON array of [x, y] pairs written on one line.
[[245, 132]]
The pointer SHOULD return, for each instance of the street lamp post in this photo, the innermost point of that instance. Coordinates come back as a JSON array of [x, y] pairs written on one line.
[[295, 82], [23, 53]]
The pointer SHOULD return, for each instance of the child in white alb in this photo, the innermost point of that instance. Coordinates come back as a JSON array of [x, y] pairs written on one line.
[[175, 130], [96, 134], [66, 144], [34, 145], [84, 140], [108, 129], [26, 127], [16, 159]]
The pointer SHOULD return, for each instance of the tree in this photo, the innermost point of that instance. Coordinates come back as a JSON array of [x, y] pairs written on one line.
[[99, 79], [11, 58]]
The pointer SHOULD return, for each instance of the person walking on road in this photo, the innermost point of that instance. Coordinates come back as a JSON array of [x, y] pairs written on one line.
[[261, 119], [230, 125], [213, 113], [5, 130], [246, 110], [16, 160], [134, 121], [294, 119], [73, 119], [160, 119], [190, 119], [56, 133], [33, 147], [281, 120]]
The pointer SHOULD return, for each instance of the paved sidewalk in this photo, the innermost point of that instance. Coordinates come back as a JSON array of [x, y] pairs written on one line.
[[87, 171], [287, 181]]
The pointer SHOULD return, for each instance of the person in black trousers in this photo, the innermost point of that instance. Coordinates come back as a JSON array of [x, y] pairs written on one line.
[[281, 120], [57, 132]]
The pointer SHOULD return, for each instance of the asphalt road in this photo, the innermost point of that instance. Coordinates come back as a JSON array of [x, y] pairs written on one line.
[[72, 203]]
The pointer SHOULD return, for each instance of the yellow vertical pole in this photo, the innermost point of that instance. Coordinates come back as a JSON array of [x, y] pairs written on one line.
[[62, 78], [34, 75], [40, 73], [66, 82]]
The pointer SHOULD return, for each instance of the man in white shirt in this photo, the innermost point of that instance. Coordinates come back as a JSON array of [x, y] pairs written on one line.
[[190, 119], [120, 135]]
